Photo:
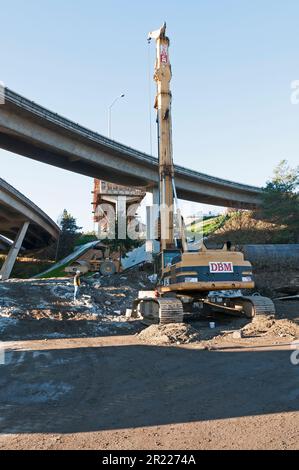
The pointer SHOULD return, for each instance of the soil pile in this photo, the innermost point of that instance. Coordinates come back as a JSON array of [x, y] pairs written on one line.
[[269, 326], [173, 333]]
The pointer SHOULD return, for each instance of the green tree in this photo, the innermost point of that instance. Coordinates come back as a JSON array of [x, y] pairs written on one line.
[[68, 236], [281, 200]]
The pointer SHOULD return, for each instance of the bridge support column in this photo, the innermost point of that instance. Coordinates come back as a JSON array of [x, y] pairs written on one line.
[[13, 252]]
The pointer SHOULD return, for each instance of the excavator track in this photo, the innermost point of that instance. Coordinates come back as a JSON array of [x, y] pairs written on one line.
[[257, 305], [159, 310], [170, 310]]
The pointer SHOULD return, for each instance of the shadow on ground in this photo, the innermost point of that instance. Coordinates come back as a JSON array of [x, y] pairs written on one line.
[[14, 330], [111, 387]]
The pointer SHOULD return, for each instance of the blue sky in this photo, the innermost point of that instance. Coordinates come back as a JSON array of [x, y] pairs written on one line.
[[233, 62]]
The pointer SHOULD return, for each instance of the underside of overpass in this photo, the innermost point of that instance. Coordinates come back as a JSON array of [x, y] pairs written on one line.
[[10, 223], [32, 131], [24, 223]]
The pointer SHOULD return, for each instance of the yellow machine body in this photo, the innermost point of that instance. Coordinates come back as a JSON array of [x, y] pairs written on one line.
[[203, 271]]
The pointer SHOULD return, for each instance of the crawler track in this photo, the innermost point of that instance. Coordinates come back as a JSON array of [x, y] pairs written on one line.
[[170, 311], [257, 305]]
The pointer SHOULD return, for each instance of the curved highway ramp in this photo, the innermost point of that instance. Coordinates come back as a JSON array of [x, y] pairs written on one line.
[[24, 223], [35, 132]]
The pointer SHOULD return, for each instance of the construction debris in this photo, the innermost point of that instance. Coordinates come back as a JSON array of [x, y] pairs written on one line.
[[104, 308], [237, 334], [100, 308], [172, 333], [265, 326]]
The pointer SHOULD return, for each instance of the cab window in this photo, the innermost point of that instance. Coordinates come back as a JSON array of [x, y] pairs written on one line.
[[171, 256]]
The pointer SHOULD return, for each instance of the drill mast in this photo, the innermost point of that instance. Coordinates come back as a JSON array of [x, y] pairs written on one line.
[[162, 76]]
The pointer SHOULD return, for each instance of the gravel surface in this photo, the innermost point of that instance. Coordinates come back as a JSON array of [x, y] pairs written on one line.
[[82, 376]]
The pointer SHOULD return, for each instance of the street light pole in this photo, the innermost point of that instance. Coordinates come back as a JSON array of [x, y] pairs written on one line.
[[109, 113]]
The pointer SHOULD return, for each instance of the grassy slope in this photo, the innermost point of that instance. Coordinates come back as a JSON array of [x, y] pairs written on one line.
[[209, 225], [57, 272], [243, 228], [240, 227]]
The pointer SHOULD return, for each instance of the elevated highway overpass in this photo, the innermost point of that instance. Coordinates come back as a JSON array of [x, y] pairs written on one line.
[[33, 131], [24, 223]]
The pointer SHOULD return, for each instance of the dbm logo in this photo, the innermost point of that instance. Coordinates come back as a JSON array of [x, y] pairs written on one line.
[[221, 267]]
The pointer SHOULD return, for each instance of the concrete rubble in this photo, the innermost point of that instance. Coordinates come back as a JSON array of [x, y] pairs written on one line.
[[101, 306], [173, 333], [104, 308]]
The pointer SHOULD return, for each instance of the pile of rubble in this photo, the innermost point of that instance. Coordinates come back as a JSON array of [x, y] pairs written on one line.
[[114, 294], [53, 298], [173, 333], [101, 309], [269, 326], [101, 306]]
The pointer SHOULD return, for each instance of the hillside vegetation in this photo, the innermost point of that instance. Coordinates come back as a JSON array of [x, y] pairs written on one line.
[[241, 227], [244, 227], [208, 225]]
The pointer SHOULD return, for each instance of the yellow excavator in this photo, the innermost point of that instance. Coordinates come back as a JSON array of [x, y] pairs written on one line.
[[205, 279]]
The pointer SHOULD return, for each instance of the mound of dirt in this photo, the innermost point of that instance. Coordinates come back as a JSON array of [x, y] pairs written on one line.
[[178, 333], [269, 326]]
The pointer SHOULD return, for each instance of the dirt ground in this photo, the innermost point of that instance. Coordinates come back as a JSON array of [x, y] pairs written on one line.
[[82, 376]]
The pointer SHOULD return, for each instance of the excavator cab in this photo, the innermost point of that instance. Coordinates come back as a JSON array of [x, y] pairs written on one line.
[[170, 257]]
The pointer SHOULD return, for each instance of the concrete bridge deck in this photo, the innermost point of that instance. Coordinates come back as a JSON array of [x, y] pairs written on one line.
[[15, 209], [33, 131], [24, 223]]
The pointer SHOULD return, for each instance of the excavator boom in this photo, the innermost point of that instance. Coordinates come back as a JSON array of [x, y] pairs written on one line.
[[162, 76], [212, 279]]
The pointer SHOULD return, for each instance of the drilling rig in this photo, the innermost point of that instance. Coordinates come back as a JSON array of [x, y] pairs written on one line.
[[209, 279]]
